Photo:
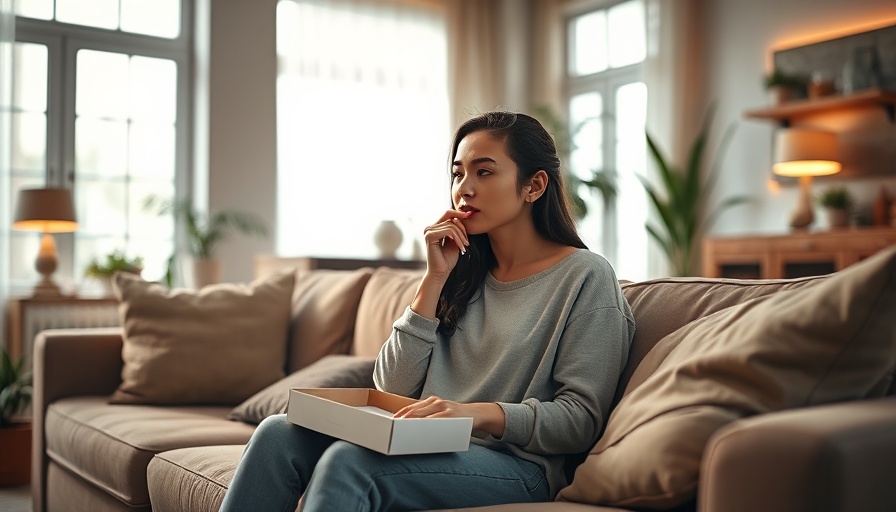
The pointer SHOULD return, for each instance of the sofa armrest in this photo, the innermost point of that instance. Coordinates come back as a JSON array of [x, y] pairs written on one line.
[[69, 362], [839, 457]]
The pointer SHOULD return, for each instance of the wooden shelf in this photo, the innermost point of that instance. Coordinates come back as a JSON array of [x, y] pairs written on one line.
[[800, 108]]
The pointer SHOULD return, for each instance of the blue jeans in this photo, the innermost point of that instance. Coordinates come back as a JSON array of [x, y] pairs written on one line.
[[282, 461]]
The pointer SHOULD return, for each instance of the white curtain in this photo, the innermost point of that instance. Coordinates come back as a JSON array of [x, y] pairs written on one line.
[[363, 129], [7, 38], [673, 75]]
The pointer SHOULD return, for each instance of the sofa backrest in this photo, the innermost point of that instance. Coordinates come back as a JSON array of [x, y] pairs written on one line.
[[385, 298], [661, 306]]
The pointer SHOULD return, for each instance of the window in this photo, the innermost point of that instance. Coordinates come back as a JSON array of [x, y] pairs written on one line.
[[363, 129], [100, 105], [607, 99]]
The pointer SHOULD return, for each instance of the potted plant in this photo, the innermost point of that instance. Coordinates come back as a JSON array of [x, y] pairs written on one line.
[[783, 86], [837, 202], [115, 261], [681, 199], [15, 435], [204, 232]]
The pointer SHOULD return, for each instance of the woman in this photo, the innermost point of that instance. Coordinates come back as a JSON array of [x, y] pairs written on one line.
[[515, 324]]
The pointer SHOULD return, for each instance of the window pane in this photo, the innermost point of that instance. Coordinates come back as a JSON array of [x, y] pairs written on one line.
[[101, 147], [148, 224], [155, 254], [587, 133], [102, 84], [627, 39], [29, 142], [92, 13], [153, 89], [39, 9], [151, 151], [151, 17], [101, 206], [588, 43], [631, 160], [30, 75]]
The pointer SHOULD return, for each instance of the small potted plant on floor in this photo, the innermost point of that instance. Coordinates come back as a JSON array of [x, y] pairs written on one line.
[[115, 261], [837, 202], [15, 434]]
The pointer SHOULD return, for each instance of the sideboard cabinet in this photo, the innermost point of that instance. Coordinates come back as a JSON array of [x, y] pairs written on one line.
[[791, 255]]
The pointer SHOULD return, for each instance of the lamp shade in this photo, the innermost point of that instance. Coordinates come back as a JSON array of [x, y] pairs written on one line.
[[49, 210], [806, 152]]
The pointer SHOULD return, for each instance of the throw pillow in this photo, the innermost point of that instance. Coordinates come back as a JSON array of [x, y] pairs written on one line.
[[830, 342], [336, 371], [324, 307], [217, 345]]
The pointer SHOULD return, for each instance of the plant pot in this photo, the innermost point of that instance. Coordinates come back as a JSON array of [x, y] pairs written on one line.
[[838, 218], [779, 94], [15, 445], [206, 272]]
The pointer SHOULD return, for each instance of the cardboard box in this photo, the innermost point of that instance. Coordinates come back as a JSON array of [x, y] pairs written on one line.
[[350, 414]]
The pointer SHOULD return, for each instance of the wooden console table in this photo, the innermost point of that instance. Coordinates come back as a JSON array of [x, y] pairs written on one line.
[[791, 255]]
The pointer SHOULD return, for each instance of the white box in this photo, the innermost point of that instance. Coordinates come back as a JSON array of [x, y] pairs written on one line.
[[339, 412]]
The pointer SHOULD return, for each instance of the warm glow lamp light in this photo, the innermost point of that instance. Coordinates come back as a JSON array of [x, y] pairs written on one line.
[[803, 153], [47, 210]]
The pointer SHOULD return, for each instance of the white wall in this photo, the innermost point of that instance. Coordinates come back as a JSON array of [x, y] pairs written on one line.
[[235, 142], [740, 37]]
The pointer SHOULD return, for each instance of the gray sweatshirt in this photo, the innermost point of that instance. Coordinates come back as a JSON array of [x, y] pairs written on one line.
[[548, 348]]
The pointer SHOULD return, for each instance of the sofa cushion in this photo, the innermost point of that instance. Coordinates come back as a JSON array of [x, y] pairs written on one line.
[[385, 298], [236, 334], [337, 371], [192, 478], [663, 305], [830, 342], [325, 304], [111, 445]]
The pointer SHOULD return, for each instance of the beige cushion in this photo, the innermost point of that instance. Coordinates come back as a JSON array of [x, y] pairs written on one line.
[[235, 334], [830, 342], [192, 478], [385, 298], [111, 445], [325, 304], [336, 371], [663, 305]]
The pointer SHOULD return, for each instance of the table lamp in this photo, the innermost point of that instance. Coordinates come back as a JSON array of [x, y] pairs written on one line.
[[47, 210], [803, 153]]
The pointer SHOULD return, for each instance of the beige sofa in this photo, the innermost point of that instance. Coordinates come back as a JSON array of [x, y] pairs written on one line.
[[90, 455]]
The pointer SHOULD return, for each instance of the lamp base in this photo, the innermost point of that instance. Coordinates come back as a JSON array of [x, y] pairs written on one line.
[[803, 215], [46, 288]]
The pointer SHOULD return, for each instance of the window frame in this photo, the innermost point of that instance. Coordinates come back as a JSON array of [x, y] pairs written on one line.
[[63, 41], [606, 83]]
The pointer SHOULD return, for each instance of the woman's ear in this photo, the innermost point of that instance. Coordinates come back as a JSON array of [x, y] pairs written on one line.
[[536, 186]]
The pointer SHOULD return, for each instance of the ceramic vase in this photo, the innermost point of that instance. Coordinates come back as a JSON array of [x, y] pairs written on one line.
[[15, 445], [388, 239]]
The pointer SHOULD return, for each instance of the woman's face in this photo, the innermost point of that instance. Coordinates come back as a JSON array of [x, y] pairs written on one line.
[[484, 181]]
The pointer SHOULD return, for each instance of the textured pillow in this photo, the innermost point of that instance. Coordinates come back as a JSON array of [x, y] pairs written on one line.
[[217, 345], [830, 342], [663, 305], [325, 304], [338, 371], [387, 295]]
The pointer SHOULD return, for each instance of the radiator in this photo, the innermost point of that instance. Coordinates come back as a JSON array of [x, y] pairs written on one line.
[[37, 317]]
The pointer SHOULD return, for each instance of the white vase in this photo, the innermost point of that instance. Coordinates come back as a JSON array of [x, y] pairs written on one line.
[[388, 239], [206, 272]]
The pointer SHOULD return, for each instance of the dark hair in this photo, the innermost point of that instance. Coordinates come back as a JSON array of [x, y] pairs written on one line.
[[532, 149]]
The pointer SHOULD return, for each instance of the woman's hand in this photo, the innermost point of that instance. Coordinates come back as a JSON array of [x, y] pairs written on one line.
[[445, 241], [488, 417]]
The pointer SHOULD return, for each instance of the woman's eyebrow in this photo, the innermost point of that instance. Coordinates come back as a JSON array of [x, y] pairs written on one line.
[[476, 161]]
